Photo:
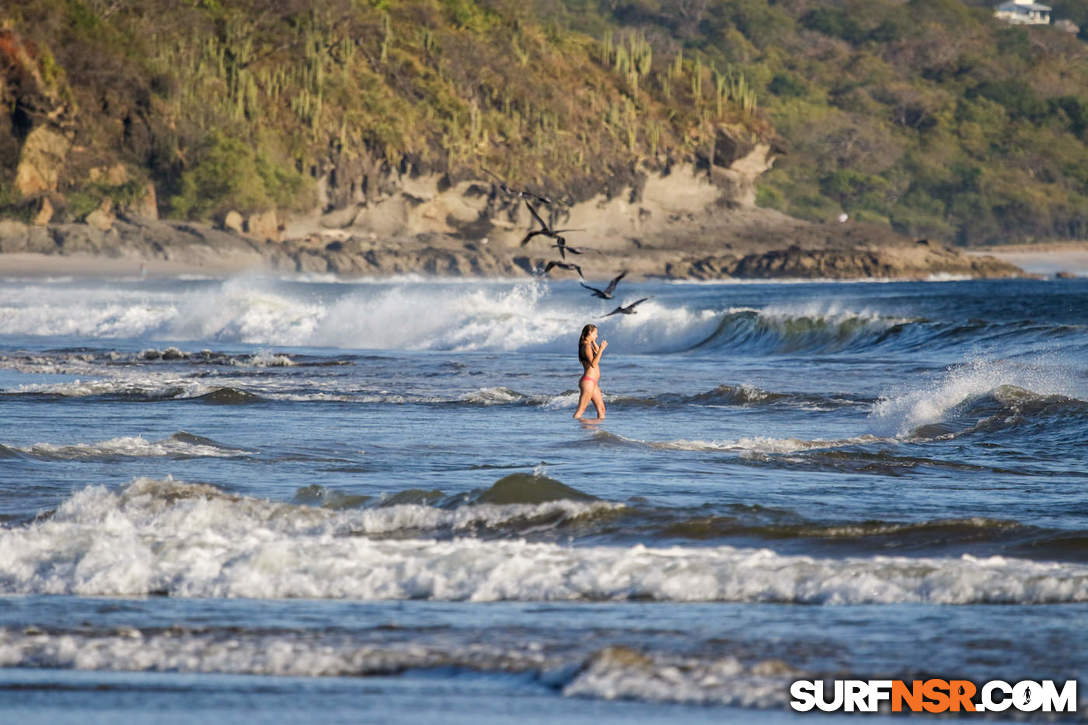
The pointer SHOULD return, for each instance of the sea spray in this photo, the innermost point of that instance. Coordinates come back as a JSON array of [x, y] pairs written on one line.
[[931, 402]]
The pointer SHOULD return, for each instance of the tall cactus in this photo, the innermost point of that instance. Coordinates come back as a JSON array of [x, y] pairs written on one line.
[[387, 36]]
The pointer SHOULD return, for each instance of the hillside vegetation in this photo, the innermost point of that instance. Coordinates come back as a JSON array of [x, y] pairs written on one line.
[[928, 116], [242, 104]]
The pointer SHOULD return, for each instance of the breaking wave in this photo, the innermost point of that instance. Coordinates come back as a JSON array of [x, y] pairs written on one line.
[[179, 446], [190, 540], [986, 396], [465, 316], [615, 672]]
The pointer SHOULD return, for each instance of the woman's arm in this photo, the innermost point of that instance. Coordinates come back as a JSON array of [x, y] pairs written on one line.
[[598, 350]]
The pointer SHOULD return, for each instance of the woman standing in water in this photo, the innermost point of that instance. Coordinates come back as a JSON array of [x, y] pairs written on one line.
[[589, 354]]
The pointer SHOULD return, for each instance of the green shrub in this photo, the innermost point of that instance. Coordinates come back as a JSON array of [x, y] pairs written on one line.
[[230, 174], [834, 22], [768, 197], [81, 202], [787, 86]]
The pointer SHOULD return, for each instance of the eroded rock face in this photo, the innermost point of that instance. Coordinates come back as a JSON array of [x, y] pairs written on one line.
[[264, 226], [662, 198], [43, 114], [45, 212], [234, 222], [147, 206], [102, 218], [41, 161]]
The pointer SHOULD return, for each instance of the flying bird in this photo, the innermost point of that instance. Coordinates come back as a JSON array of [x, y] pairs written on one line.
[[629, 309], [563, 265], [545, 230], [563, 247], [606, 293], [517, 193]]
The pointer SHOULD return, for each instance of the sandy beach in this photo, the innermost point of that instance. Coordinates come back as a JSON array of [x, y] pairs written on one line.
[[1048, 258], [33, 265]]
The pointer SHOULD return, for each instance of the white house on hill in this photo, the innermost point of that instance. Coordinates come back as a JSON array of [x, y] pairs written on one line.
[[1023, 12]]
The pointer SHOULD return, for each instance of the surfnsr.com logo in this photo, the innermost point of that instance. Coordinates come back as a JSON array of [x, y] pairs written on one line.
[[933, 695]]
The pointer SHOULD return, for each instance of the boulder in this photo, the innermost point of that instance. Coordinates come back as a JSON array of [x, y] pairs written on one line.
[[233, 222], [312, 263], [102, 218], [265, 226], [13, 236], [78, 238]]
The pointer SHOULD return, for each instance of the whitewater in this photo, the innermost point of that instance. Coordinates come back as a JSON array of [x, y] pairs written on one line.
[[346, 501]]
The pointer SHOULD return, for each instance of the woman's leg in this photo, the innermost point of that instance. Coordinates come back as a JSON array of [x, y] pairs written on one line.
[[598, 402], [586, 388]]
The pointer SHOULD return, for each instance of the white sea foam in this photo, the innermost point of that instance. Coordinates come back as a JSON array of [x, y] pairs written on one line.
[[493, 396], [613, 673], [275, 654], [143, 386], [829, 310], [756, 444], [621, 674], [266, 359], [394, 315], [903, 411], [659, 328], [180, 446], [194, 541], [404, 314]]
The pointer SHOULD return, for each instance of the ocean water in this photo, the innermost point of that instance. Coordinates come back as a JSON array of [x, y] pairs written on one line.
[[266, 500]]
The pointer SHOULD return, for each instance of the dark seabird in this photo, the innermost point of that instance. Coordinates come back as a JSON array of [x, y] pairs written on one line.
[[563, 265], [606, 293], [563, 247], [629, 309], [518, 193], [544, 228]]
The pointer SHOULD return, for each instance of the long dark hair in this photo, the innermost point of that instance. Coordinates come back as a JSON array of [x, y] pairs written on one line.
[[583, 357]]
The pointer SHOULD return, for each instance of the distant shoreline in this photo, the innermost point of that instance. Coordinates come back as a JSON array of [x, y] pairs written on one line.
[[31, 265], [741, 244], [1055, 246], [1065, 258]]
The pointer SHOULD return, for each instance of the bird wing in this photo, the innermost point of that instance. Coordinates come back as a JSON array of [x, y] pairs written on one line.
[[530, 235], [594, 290], [615, 312], [499, 182], [536, 216], [538, 197], [612, 285], [563, 265], [636, 303]]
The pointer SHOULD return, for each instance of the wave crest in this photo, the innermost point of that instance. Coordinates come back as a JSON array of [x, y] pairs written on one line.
[[195, 541], [984, 395]]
